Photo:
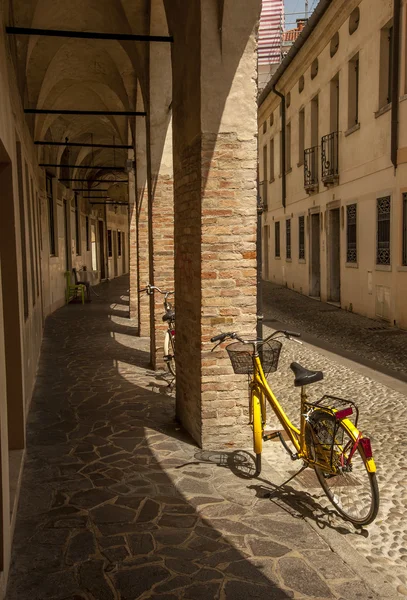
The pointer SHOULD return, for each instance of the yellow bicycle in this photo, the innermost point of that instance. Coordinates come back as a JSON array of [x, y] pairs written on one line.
[[328, 439]]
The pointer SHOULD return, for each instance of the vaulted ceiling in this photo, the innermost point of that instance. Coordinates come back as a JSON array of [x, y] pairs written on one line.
[[62, 73]]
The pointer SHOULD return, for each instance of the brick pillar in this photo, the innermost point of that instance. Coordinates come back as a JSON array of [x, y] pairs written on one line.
[[161, 173], [215, 164], [142, 226]]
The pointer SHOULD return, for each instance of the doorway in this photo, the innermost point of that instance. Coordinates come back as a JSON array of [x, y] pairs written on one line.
[[266, 234], [93, 247], [334, 256], [66, 236], [102, 251], [115, 251], [315, 254]]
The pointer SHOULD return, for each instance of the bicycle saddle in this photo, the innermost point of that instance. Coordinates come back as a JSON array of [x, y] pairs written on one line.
[[304, 376], [169, 316]]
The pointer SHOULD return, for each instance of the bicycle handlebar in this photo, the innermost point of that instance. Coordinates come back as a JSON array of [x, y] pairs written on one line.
[[150, 288], [234, 336]]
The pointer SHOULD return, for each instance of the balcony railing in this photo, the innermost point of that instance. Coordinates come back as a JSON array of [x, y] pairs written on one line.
[[311, 168], [329, 158]]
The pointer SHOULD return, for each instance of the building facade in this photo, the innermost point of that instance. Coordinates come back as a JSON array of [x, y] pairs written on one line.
[[333, 160]]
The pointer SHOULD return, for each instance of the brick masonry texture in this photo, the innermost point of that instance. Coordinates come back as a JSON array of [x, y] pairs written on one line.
[[143, 259], [163, 253], [215, 207]]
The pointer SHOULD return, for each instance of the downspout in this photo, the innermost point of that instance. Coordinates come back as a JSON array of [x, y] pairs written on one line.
[[395, 82], [283, 145]]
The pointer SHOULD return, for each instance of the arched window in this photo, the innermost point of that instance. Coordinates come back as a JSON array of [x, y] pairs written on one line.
[[354, 20], [334, 44]]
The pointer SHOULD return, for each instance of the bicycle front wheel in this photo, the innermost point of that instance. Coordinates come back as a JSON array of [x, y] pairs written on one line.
[[169, 352], [348, 484], [257, 424]]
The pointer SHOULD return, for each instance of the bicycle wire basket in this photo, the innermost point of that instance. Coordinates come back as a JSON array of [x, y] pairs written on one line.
[[241, 357]]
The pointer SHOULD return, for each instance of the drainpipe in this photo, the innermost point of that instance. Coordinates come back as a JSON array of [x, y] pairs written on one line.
[[395, 82], [283, 143]]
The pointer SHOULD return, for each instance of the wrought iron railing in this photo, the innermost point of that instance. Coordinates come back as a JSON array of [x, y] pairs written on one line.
[[329, 157], [311, 168]]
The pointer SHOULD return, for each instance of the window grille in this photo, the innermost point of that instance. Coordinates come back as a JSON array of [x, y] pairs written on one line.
[[277, 239], [351, 234], [405, 229], [301, 240], [383, 231], [288, 238]]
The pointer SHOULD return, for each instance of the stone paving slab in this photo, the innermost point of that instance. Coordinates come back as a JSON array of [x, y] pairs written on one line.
[[117, 503]]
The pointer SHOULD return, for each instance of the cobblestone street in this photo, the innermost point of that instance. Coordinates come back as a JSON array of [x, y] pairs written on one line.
[[383, 417], [375, 343], [117, 503]]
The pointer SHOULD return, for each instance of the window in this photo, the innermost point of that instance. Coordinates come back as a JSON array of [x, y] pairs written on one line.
[[109, 243], [264, 126], [301, 238], [77, 228], [314, 122], [277, 239], [314, 69], [288, 147], [288, 100], [301, 84], [301, 137], [383, 231], [351, 233], [386, 66], [334, 44], [288, 239], [119, 243], [281, 152], [354, 20], [353, 94], [265, 166], [271, 119], [51, 215], [87, 233], [404, 257], [334, 104], [272, 160]]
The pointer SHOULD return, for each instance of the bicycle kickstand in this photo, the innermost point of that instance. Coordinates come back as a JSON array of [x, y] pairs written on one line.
[[271, 494]]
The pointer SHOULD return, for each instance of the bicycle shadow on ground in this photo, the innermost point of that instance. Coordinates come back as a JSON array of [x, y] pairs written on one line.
[[298, 503]]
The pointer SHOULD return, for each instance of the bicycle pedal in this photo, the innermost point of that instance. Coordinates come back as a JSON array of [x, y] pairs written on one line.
[[274, 435], [168, 358], [271, 436]]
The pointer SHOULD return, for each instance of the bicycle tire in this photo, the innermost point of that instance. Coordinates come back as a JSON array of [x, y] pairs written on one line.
[[169, 351], [257, 425], [354, 494]]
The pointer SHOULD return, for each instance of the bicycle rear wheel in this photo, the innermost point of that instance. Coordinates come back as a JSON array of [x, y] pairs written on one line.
[[352, 489]]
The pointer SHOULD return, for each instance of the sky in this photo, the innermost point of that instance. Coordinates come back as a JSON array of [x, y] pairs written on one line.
[[291, 6]]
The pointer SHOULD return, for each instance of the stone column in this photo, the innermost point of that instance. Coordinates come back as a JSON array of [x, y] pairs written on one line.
[[161, 176], [215, 163]]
